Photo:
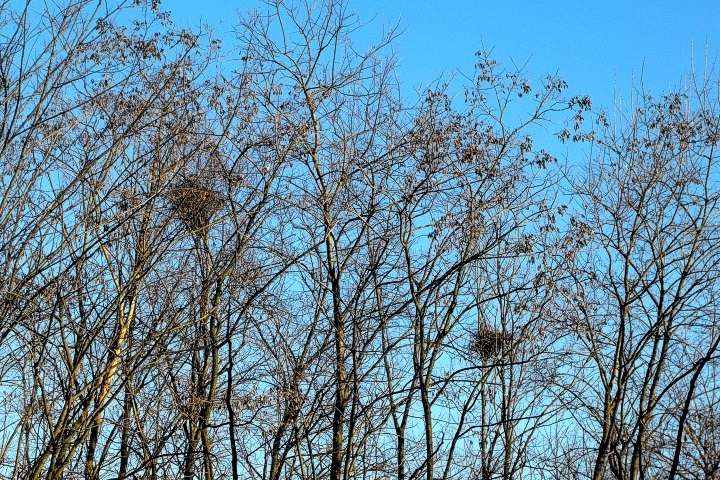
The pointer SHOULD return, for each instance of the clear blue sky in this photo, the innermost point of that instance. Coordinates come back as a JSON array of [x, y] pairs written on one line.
[[595, 45]]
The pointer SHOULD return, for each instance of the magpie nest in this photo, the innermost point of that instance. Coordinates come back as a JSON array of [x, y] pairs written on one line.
[[195, 203], [488, 342]]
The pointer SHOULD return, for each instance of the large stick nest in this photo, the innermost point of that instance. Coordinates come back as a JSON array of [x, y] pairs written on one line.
[[488, 343], [194, 203]]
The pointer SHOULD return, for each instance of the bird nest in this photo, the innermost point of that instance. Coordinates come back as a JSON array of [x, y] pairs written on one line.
[[195, 204], [489, 343]]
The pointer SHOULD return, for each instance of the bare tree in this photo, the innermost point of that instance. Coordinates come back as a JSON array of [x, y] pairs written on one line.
[[646, 286], [339, 108], [476, 213], [101, 124]]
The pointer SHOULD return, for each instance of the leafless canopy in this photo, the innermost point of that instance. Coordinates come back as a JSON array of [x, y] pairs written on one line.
[[270, 261]]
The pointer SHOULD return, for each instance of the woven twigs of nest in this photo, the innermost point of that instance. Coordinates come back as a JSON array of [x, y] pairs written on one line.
[[488, 343], [195, 203]]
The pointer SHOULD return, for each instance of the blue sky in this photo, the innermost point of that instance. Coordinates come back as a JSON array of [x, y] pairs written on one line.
[[599, 47]]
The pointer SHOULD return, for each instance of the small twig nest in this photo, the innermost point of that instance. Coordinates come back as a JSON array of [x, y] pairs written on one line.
[[195, 204], [489, 343]]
